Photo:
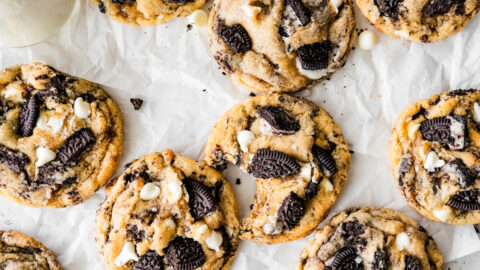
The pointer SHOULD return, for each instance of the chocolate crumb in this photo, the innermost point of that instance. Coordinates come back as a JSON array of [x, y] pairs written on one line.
[[238, 182], [137, 103]]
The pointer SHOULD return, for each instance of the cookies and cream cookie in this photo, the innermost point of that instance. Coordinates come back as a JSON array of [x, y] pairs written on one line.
[[147, 12], [435, 156], [281, 46], [419, 20], [60, 136], [168, 212], [371, 238], [21, 252], [298, 155]]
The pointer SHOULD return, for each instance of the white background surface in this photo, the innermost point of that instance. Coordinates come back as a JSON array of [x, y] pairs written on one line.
[[169, 67]]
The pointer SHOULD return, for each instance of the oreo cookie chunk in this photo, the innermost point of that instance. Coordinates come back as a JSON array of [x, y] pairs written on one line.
[[20, 251], [287, 55], [441, 143], [147, 12], [188, 204], [63, 136], [423, 21], [298, 155], [387, 242]]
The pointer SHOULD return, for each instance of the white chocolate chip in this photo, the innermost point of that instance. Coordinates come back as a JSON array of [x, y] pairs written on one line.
[[81, 108], [14, 93], [336, 4], [174, 189], [265, 127], [273, 227], [170, 223], [307, 171], [311, 74], [56, 123], [442, 215], [244, 138], [412, 130], [199, 18], [476, 112], [128, 253], [149, 191], [402, 34], [402, 241], [41, 123], [433, 161], [202, 229], [44, 155], [367, 40], [251, 11], [214, 241], [327, 185]]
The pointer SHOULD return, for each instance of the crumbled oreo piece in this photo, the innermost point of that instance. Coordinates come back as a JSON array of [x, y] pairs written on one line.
[[466, 200], [236, 38], [184, 253], [291, 210], [315, 56], [149, 261], [449, 130], [465, 176], [137, 103], [381, 259], [226, 242], [75, 145], [102, 7], [120, 2], [460, 92], [311, 190], [345, 260], [271, 163], [219, 163], [136, 234], [351, 233], [303, 13], [325, 159], [180, 2], [278, 119], [29, 116], [200, 198], [15, 161], [440, 7], [412, 263], [389, 8]]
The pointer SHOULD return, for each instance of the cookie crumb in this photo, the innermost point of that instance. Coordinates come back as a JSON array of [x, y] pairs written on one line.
[[189, 27], [252, 94], [137, 103], [238, 182]]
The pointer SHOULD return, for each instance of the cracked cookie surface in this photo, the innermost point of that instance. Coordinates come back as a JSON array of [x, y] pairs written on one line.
[[435, 156], [20, 251], [281, 46], [168, 212], [60, 136], [147, 12], [298, 155], [419, 20], [371, 238]]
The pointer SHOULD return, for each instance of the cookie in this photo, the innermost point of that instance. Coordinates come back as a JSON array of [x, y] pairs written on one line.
[[423, 20], [168, 212], [281, 46], [147, 12], [296, 152], [434, 156], [20, 251], [60, 136], [371, 238]]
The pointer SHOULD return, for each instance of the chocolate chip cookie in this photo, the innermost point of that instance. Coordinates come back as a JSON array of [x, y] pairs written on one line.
[[298, 155], [435, 156], [168, 212], [147, 12], [20, 251], [371, 238], [278, 45], [60, 136], [420, 20]]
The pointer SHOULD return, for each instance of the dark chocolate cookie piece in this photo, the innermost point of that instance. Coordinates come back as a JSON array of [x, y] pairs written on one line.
[[271, 163], [440, 7], [324, 159], [29, 116], [291, 210], [381, 259], [121, 2], [311, 190], [149, 261], [236, 38], [466, 200], [75, 145], [466, 177], [303, 13], [200, 198], [180, 2], [15, 161], [184, 253], [412, 263], [449, 130], [345, 260], [137, 103], [389, 8], [279, 120], [314, 56]]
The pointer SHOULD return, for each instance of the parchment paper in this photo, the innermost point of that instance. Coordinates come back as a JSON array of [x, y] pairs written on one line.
[[173, 70]]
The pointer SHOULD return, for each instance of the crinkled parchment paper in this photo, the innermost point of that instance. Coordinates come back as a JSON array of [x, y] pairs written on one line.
[[173, 70]]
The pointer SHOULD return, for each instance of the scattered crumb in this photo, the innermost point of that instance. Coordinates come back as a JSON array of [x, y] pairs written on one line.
[[251, 206], [189, 27], [137, 103], [252, 94], [238, 182]]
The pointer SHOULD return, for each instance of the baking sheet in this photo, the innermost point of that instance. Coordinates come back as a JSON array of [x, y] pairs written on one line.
[[172, 69]]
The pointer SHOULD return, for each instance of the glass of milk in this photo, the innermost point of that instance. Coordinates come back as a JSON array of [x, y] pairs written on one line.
[[26, 22]]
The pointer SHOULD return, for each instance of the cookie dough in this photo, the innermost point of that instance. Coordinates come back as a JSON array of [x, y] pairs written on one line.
[[147, 12], [281, 46], [419, 20], [168, 212], [298, 155], [435, 156], [60, 136], [20, 251], [371, 238]]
